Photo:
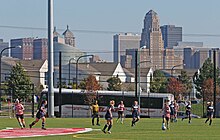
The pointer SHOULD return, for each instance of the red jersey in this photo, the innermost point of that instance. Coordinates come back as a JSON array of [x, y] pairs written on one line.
[[19, 109], [121, 107]]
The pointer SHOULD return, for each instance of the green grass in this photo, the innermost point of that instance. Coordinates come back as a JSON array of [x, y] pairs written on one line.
[[149, 129]]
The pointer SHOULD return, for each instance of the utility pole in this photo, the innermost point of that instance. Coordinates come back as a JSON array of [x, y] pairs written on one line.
[[136, 72], [50, 60], [214, 88], [60, 84]]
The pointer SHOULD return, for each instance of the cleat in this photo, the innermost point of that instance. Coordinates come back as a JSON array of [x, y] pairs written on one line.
[[43, 128], [98, 124], [109, 132], [104, 131], [30, 126]]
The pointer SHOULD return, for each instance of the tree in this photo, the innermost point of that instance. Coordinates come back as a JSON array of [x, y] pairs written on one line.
[[158, 82], [82, 84], [92, 86], [19, 83], [207, 90], [206, 72], [114, 84], [186, 81], [175, 87]]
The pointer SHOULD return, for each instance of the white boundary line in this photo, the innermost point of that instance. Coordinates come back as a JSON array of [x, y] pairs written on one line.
[[78, 132]]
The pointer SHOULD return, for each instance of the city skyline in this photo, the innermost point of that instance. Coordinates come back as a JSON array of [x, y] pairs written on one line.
[[86, 20]]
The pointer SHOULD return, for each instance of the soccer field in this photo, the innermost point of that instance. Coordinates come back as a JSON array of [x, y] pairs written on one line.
[[146, 129]]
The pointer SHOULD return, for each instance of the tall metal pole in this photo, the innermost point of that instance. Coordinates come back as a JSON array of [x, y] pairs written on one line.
[[60, 84], [214, 88], [136, 72], [50, 60]]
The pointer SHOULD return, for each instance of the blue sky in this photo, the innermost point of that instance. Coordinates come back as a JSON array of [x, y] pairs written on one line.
[[195, 16]]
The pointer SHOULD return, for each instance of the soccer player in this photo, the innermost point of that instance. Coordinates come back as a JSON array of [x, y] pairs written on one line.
[[109, 117], [121, 108], [188, 112], [135, 113], [210, 112], [166, 116], [40, 115], [95, 113], [172, 110], [19, 111], [176, 109]]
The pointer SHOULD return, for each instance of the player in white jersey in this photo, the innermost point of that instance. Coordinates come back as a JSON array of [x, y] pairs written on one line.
[[135, 113], [121, 108], [210, 112], [188, 111]]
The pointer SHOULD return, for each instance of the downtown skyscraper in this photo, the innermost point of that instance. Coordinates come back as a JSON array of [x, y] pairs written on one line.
[[151, 38]]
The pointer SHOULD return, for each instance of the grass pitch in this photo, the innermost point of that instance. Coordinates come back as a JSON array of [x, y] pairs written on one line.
[[146, 129]]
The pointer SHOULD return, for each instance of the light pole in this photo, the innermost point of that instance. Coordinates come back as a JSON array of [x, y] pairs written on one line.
[[139, 80], [1, 71], [77, 61], [176, 66], [69, 66]]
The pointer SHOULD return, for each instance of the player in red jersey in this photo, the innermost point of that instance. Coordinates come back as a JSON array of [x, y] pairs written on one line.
[[19, 111]]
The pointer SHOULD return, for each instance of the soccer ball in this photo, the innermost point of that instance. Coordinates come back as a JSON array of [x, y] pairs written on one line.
[[164, 128]]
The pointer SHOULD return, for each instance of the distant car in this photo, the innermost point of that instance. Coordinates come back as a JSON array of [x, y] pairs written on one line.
[[182, 114], [195, 101]]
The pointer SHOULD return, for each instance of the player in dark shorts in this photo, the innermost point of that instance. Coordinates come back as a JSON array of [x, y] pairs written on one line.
[[172, 111], [40, 115], [188, 112], [19, 111], [166, 116], [135, 113], [121, 108], [109, 117], [176, 109], [210, 112], [95, 113]]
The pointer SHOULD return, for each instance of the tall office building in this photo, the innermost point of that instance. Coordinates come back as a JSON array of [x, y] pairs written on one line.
[[171, 35], [151, 37], [121, 42], [195, 57], [41, 49], [4, 45], [26, 50]]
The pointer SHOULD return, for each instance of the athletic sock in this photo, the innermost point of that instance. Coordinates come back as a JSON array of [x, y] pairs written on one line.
[[33, 123], [106, 125], [206, 120], [98, 121], [92, 121], [109, 127], [20, 124], [43, 123], [210, 123]]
